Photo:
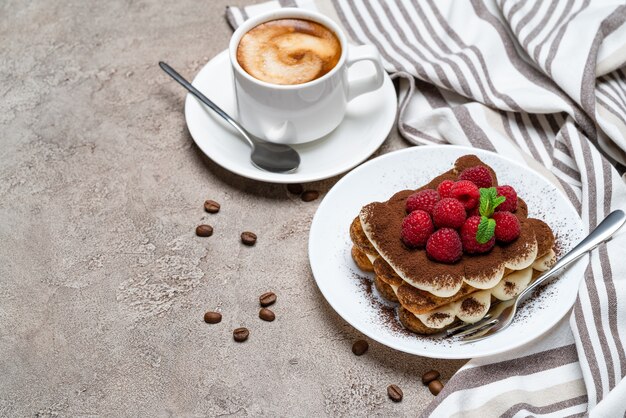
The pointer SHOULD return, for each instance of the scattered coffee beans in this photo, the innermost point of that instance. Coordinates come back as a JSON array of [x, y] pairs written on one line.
[[241, 334], [211, 206], [310, 195], [395, 393], [267, 299], [204, 230], [360, 347], [212, 317], [429, 376], [435, 387], [248, 238], [266, 315], [295, 188]]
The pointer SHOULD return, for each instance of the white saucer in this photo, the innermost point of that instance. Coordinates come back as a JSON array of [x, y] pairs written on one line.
[[367, 123]]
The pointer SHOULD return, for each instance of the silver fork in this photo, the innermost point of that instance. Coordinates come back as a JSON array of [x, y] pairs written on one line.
[[501, 315]]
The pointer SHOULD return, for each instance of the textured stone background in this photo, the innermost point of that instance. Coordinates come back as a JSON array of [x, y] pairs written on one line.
[[103, 283]]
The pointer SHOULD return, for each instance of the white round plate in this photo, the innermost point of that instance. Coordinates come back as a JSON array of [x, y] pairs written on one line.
[[367, 123], [346, 287]]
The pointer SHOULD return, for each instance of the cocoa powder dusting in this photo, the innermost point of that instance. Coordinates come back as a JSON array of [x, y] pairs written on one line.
[[509, 288], [558, 249], [439, 316], [544, 236], [386, 311], [471, 306], [364, 283]]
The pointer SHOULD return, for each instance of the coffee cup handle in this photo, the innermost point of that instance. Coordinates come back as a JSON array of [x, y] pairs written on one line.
[[371, 82]]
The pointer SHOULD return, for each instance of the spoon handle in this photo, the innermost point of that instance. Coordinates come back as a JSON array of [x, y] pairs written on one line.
[[609, 226], [172, 73]]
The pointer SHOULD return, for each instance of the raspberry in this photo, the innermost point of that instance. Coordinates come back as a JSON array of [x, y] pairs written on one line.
[[468, 237], [445, 246], [474, 212], [449, 213], [466, 192], [478, 175], [424, 200], [507, 226], [416, 228], [444, 188], [510, 204]]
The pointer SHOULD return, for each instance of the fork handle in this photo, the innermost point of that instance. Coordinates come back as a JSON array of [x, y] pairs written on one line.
[[609, 226]]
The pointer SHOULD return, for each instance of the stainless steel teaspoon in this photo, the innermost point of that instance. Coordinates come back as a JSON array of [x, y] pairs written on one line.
[[275, 158]]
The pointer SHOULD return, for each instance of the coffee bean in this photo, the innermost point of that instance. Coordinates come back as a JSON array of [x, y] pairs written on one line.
[[241, 334], [267, 299], [435, 387], [295, 188], [429, 376], [360, 347], [248, 238], [212, 317], [395, 393], [266, 315], [310, 195], [204, 230], [211, 206]]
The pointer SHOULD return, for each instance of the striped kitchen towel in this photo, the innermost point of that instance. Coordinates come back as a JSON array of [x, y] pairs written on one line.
[[543, 82]]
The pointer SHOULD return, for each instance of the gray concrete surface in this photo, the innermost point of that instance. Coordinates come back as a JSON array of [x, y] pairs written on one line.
[[103, 283]]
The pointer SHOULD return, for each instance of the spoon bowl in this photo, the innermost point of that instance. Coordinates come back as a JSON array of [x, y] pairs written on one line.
[[275, 158]]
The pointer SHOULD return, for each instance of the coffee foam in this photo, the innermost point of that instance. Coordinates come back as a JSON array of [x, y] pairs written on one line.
[[288, 51]]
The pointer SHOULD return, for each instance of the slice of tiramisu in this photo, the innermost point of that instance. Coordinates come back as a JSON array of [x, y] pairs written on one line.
[[448, 249]]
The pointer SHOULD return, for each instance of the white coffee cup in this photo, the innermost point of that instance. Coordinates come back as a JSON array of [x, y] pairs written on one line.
[[298, 113]]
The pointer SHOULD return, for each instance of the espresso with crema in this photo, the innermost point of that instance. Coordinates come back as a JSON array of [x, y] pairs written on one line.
[[288, 51]]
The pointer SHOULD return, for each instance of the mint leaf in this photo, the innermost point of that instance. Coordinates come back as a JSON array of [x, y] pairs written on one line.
[[483, 205], [486, 229], [499, 200], [488, 198], [489, 201]]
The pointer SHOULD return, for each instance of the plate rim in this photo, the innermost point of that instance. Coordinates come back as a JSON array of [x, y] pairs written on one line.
[[448, 356], [385, 127]]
